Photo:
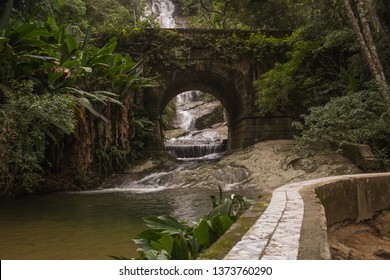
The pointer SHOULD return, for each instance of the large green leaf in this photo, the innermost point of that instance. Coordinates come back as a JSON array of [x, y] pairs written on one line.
[[51, 23], [87, 105], [70, 43], [42, 58], [164, 243], [87, 38], [221, 224], [166, 224], [180, 250], [31, 45], [104, 53], [70, 64], [203, 233], [41, 32], [24, 30]]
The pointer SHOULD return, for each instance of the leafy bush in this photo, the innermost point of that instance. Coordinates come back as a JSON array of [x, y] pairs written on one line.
[[168, 238], [26, 121], [359, 117]]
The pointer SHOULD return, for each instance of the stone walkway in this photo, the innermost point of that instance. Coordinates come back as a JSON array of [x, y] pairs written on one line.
[[276, 234]]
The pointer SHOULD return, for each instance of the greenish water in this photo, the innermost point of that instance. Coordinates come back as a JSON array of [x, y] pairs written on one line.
[[96, 224]]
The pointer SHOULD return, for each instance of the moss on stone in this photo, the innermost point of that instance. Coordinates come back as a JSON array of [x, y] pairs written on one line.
[[224, 244]]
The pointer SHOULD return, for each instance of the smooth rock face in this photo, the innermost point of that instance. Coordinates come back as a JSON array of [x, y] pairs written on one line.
[[278, 162]]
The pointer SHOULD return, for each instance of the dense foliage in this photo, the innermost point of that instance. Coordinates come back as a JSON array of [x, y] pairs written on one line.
[[103, 16], [358, 117], [66, 106], [336, 52]]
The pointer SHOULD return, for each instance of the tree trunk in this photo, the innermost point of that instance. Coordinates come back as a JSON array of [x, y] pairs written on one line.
[[367, 46], [369, 39]]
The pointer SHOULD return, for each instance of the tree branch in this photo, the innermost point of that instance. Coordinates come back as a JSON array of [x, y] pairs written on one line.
[[208, 9]]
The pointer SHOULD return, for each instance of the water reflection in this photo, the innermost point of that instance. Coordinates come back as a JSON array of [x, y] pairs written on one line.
[[96, 224]]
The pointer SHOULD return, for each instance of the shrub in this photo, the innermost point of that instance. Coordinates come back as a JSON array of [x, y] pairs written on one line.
[[360, 117]]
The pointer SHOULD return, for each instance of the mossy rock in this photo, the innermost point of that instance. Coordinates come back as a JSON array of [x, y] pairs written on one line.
[[208, 120]]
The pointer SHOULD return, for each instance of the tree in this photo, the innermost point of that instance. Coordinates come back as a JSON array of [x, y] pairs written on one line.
[[366, 42], [221, 11]]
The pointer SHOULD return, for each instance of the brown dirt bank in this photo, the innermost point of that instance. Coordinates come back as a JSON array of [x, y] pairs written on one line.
[[368, 240]]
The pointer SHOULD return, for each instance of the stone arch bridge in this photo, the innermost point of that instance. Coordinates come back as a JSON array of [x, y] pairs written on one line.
[[193, 59]]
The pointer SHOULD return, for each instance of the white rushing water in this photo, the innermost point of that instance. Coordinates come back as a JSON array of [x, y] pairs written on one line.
[[185, 117], [164, 10], [194, 144]]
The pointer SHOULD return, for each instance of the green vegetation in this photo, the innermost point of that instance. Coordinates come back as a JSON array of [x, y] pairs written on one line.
[[64, 85], [65, 104], [104, 16], [168, 238], [358, 117], [325, 55]]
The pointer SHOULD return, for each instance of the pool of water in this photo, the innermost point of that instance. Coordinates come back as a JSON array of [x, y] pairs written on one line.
[[93, 225]]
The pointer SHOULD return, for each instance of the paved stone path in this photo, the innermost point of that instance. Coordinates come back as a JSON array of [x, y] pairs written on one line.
[[275, 235]]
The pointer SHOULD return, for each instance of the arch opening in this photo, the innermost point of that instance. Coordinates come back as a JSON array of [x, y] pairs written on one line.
[[218, 86], [207, 82], [196, 126]]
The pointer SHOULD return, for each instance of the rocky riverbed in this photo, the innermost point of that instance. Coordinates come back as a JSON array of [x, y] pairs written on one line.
[[278, 162], [268, 165]]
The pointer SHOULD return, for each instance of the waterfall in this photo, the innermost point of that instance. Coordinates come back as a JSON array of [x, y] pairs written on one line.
[[196, 151], [163, 9], [196, 144], [184, 117]]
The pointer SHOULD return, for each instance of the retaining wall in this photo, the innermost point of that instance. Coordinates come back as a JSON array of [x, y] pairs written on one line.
[[294, 225]]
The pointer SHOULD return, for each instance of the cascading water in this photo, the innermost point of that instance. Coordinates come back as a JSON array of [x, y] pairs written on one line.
[[164, 10], [195, 145], [184, 115]]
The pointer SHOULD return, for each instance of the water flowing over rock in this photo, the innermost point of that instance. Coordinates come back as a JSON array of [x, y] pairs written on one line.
[[186, 112], [164, 10], [208, 143], [186, 175], [196, 151]]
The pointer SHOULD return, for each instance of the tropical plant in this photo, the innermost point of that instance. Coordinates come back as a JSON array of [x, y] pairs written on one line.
[[168, 238], [95, 84], [27, 121]]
